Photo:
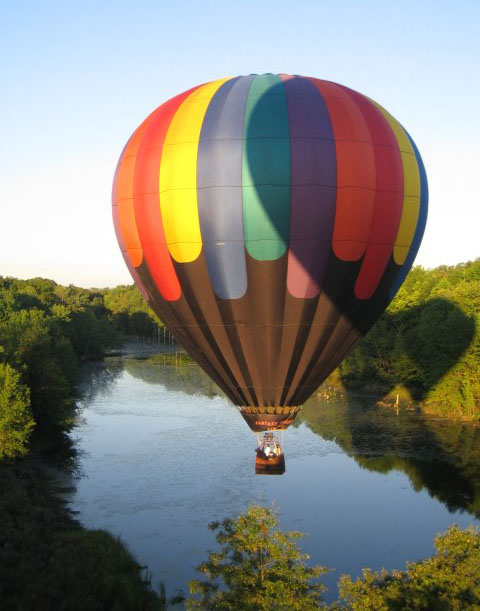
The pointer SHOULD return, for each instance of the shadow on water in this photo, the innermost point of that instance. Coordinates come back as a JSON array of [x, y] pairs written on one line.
[[440, 456], [415, 348]]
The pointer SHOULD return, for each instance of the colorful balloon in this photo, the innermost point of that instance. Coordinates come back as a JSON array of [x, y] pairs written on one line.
[[269, 220]]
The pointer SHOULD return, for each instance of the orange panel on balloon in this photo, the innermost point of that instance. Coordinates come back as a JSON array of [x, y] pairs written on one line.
[[121, 240], [124, 196]]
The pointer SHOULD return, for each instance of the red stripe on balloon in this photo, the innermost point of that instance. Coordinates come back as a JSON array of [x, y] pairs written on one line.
[[388, 198], [147, 202], [355, 202]]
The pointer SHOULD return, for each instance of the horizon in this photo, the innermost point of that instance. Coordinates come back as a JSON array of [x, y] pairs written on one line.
[[112, 286]]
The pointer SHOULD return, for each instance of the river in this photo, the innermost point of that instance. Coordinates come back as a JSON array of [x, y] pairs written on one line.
[[161, 453]]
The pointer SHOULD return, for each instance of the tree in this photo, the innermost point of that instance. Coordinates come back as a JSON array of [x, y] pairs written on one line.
[[16, 420], [258, 567], [449, 580]]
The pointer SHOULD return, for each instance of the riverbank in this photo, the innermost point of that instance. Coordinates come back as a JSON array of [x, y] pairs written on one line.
[[138, 348], [49, 561], [398, 397]]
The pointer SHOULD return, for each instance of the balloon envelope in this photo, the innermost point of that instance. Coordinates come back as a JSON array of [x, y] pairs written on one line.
[[269, 220]]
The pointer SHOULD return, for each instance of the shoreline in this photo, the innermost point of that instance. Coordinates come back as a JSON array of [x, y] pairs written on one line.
[[67, 565]]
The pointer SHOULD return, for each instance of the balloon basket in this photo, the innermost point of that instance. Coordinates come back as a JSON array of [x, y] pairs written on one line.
[[271, 468], [269, 459]]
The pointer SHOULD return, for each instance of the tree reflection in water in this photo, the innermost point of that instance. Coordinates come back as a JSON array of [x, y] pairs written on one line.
[[98, 377], [440, 455], [174, 371], [60, 451]]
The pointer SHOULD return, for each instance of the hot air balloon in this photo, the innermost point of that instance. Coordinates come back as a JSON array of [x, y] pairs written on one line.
[[269, 220]]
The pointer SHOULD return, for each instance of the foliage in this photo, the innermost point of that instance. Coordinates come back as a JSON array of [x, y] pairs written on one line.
[[428, 341], [449, 580], [16, 420], [259, 567], [130, 313]]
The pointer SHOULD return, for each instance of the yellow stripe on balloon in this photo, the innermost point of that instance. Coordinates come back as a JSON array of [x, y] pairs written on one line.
[[411, 190], [178, 175]]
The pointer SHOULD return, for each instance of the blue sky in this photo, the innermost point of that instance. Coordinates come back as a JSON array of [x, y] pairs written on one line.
[[78, 77]]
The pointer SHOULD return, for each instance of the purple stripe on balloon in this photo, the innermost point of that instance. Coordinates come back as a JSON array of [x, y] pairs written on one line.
[[313, 187]]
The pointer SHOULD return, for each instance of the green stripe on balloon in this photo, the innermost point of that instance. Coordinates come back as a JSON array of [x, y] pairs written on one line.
[[266, 169]]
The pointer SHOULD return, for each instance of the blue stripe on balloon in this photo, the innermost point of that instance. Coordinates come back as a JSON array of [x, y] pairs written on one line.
[[219, 188], [421, 222]]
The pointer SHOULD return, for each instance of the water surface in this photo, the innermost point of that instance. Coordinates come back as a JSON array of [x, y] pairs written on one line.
[[163, 453]]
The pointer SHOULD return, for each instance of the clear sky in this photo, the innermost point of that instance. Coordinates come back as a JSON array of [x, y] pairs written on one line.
[[77, 77]]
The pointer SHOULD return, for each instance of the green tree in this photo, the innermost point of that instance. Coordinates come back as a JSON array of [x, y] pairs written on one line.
[[449, 580], [16, 420], [258, 568]]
